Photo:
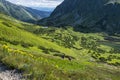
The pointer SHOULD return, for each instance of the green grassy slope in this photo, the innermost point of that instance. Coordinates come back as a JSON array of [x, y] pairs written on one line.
[[10, 32]]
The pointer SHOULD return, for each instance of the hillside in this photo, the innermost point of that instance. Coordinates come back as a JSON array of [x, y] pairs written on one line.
[[58, 53], [13, 33], [20, 12], [87, 15]]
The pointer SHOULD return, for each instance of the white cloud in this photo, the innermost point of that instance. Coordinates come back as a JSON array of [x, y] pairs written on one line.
[[37, 3]]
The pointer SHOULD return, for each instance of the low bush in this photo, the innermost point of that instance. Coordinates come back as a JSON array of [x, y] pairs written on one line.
[[6, 24], [14, 42], [26, 45], [45, 50]]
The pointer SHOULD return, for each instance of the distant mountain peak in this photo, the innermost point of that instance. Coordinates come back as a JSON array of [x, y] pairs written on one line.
[[21, 12]]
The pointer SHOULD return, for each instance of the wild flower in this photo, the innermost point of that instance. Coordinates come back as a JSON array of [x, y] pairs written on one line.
[[31, 55], [5, 46], [10, 50], [46, 60], [57, 66], [16, 51], [23, 53]]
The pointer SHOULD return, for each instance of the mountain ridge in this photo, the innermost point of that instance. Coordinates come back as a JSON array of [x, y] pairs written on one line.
[[21, 12], [94, 15]]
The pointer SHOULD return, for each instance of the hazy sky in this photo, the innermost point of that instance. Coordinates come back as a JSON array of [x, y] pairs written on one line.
[[37, 3]]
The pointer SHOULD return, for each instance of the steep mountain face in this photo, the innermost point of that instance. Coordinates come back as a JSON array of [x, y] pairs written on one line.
[[87, 15], [21, 12]]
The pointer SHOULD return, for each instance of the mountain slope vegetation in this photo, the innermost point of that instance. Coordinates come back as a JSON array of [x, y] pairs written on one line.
[[52, 53], [20, 12]]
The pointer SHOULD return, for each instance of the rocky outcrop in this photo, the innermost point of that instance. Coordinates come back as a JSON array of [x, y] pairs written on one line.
[[7, 74]]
